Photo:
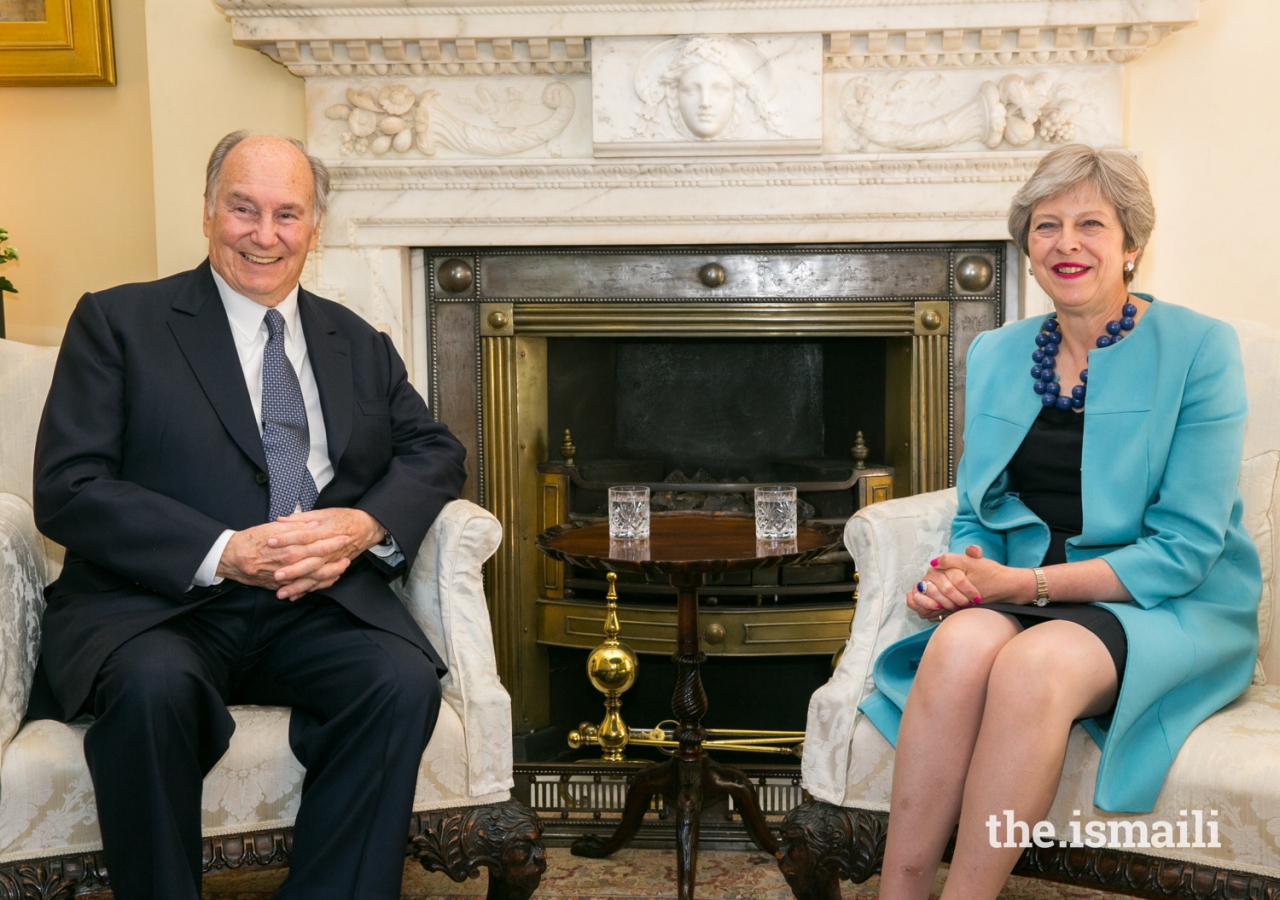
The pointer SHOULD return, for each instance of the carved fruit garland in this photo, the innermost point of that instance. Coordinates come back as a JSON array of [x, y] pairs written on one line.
[[396, 118], [1008, 113]]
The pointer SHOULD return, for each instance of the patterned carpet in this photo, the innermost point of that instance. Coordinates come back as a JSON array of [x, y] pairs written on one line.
[[634, 875]]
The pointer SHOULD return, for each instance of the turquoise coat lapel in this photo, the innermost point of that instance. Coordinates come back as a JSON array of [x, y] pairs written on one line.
[[1115, 469]]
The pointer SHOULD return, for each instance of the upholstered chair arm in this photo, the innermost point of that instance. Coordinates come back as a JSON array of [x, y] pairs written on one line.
[[22, 576], [445, 594], [891, 544]]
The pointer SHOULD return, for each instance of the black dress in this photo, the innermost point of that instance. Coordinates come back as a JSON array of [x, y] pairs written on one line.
[[1045, 472]]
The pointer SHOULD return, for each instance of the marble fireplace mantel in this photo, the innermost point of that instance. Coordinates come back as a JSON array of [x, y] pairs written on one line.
[[678, 121]]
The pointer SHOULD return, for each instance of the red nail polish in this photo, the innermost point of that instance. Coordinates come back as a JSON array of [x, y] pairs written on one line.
[[977, 600], [933, 562]]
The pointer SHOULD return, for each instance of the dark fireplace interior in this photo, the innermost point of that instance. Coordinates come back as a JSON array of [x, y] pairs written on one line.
[[736, 410], [724, 410]]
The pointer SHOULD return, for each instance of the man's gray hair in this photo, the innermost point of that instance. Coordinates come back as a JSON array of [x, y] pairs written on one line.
[[319, 173], [1112, 172]]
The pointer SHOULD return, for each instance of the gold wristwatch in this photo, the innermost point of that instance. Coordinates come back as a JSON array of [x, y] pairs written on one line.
[[1042, 588]]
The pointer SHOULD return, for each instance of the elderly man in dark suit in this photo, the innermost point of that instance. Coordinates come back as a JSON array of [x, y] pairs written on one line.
[[236, 467]]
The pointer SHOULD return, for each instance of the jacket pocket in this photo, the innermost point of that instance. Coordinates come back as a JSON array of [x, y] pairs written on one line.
[[374, 406]]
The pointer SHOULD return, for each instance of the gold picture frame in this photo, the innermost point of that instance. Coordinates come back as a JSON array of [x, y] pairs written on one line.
[[70, 46]]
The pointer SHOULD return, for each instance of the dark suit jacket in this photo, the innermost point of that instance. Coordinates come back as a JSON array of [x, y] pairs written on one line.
[[148, 450]]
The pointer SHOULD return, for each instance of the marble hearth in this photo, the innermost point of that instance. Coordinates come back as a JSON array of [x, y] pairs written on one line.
[[554, 123]]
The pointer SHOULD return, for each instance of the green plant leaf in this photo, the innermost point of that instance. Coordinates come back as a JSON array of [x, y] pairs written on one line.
[[7, 285]]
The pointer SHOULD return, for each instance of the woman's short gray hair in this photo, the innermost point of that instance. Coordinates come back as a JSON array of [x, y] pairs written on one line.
[[319, 172], [1114, 174]]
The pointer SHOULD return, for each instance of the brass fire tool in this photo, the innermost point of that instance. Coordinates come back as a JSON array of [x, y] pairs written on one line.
[[612, 667]]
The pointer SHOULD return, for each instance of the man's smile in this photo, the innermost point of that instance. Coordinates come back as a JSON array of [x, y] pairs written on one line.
[[260, 260]]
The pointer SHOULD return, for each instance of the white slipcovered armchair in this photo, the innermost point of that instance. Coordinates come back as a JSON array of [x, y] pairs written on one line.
[[1231, 763], [464, 816]]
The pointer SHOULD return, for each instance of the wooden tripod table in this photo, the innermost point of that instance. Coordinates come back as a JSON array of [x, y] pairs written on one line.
[[687, 547]]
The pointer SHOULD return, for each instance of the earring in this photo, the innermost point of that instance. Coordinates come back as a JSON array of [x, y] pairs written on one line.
[[1030, 271], [1128, 267]]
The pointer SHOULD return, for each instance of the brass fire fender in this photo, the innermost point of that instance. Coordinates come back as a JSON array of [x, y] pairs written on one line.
[[514, 414]]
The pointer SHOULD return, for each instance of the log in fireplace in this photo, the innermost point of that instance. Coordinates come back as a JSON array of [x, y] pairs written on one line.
[[700, 371]]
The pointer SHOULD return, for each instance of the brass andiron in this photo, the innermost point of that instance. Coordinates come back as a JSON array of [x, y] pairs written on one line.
[[611, 667]]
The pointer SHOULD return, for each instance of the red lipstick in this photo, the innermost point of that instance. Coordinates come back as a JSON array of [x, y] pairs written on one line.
[[1080, 270]]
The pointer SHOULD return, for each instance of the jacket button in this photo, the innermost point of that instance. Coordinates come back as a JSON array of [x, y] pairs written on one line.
[[262, 478]]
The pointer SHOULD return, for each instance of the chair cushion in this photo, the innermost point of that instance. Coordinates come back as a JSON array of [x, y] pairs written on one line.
[[1260, 350], [22, 580], [46, 796], [1231, 763], [25, 374], [1258, 489]]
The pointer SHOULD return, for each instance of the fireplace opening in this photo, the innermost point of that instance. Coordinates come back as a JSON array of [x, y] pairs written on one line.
[[687, 414], [711, 410], [700, 372]]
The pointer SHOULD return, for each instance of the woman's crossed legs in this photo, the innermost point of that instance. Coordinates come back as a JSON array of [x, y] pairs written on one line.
[[985, 730]]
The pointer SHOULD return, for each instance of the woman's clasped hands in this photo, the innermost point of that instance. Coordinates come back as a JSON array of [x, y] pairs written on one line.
[[958, 581]]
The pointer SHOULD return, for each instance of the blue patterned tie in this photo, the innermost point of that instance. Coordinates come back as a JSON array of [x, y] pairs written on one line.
[[286, 439]]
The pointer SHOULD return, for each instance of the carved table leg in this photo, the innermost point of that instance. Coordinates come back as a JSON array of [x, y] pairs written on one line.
[[689, 703], [688, 809], [690, 779], [728, 780], [504, 837], [822, 843], [653, 780]]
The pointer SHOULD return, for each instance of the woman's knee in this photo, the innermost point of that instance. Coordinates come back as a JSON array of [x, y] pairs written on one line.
[[1057, 668], [965, 645]]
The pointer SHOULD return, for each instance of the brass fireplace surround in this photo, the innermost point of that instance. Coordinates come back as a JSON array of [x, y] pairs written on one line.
[[491, 312]]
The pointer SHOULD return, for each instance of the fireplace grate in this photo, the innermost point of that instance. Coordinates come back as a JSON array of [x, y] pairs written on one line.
[[588, 798]]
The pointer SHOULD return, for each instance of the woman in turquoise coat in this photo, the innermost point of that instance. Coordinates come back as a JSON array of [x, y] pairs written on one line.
[[1098, 569]]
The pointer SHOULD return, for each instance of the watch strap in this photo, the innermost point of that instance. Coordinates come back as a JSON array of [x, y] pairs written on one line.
[[1042, 587]]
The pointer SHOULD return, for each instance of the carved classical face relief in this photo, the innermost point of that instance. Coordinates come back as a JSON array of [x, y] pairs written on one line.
[[704, 88], [706, 97]]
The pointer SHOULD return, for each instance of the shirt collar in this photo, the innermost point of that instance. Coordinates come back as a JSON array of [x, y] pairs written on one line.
[[246, 315]]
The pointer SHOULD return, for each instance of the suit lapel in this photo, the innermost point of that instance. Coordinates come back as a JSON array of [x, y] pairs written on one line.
[[199, 324], [331, 364]]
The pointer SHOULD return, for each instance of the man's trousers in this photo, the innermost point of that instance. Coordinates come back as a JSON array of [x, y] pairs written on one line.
[[364, 703]]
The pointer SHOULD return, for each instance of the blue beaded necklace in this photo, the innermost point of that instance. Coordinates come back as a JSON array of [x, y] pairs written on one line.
[[1045, 358]]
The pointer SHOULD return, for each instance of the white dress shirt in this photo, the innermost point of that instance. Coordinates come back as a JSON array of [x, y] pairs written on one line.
[[249, 330]]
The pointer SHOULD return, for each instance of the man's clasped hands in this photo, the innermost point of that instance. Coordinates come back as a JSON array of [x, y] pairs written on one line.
[[301, 553]]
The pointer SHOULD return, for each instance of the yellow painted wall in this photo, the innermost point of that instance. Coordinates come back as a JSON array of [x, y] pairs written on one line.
[[203, 87], [1202, 111], [75, 187], [101, 186]]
